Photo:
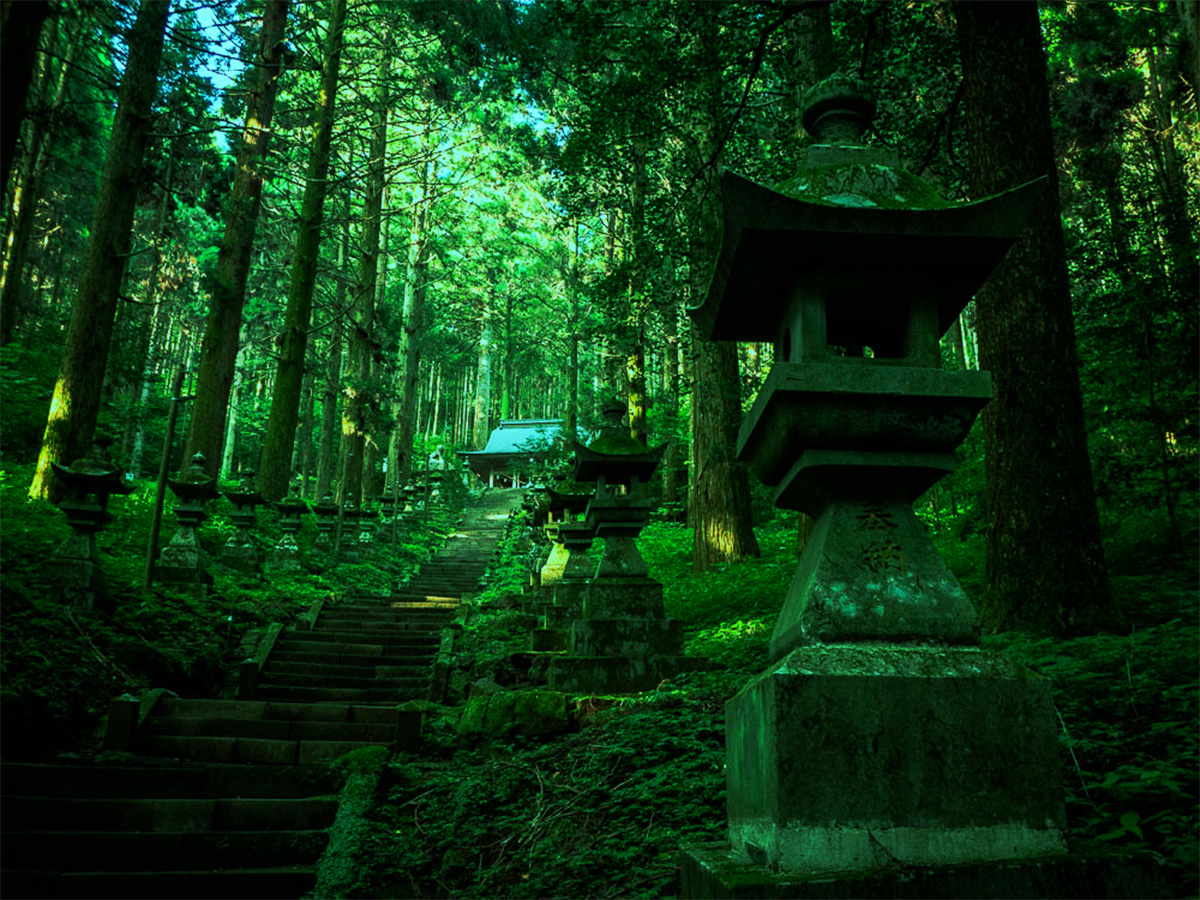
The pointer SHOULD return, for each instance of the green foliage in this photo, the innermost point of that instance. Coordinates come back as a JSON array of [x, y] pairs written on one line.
[[597, 813]]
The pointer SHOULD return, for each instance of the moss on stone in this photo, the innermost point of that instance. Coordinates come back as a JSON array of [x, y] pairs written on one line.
[[863, 186], [617, 442]]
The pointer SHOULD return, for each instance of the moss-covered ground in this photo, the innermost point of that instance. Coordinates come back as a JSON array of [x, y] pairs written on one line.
[[601, 809]]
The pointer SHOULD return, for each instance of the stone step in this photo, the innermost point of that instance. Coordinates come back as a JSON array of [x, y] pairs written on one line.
[[321, 654], [341, 695], [229, 749], [263, 709], [276, 883], [276, 677], [387, 638], [160, 814], [403, 616], [181, 780], [354, 671], [112, 851], [276, 730]]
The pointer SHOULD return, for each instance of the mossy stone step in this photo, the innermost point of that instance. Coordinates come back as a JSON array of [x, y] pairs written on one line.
[[162, 814], [268, 729], [273, 883], [340, 681], [228, 749], [266, 709], [321, 654], [340, 695], [111, 851], [365, 671], [181, 779]]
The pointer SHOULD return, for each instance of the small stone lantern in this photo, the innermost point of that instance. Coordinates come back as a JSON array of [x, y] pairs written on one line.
[[561, 508], [567, 570], [286, 556], [182, 560], [881, 733], [349, 549], [90, 481], [367, 516], [326, 512], [241, 552]]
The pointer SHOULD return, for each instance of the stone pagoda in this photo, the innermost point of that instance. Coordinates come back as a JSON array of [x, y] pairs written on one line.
[[881, 734], [623, 640]]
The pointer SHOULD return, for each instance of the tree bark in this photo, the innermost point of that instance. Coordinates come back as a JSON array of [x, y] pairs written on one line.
[[75, 406], [28, 190], [483, 381], [218, 352], [20, 27], [360, 395], [1045, 564], [404, 411], [289, 374], [719, 492]]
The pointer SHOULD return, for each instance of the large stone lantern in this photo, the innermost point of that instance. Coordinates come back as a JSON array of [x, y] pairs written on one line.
[[881, 734], [90, 481]]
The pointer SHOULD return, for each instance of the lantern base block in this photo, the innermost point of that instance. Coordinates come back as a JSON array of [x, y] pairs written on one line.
[[852, 756]]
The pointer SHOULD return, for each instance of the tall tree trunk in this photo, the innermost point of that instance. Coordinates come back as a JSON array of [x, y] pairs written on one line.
[[1045, 564], [289, 374], [360, 396], [719, 492], [483, 380], [404, 412], [229, 447], [635, 350], [28, 189], [20, 28], [328, 443], [75, 406], [219, 349]]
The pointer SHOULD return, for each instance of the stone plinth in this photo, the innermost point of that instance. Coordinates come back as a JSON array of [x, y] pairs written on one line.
[[711, 871], [849, 756]]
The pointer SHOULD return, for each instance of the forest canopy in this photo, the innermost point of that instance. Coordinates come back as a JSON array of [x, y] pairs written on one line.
[[361, 231]]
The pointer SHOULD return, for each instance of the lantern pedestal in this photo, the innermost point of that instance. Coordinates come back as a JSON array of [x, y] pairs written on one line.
[[846, 757]]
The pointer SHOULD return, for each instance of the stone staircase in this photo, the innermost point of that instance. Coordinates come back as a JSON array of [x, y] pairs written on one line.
[[232, 798]]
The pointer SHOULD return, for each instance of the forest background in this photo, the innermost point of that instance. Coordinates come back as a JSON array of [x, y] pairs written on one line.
[[335, 234], [504, 210]]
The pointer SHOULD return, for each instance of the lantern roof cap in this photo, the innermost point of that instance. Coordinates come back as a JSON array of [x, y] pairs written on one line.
[[774, 242]]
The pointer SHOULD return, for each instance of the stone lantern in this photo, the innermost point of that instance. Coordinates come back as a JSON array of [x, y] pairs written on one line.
[[623, 640], [367, 516], [90, 481], [286, 556], [881, 733], [182, 560], [561, 507], [326, 512], [567, 570], [240, 551], [349, 549]]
